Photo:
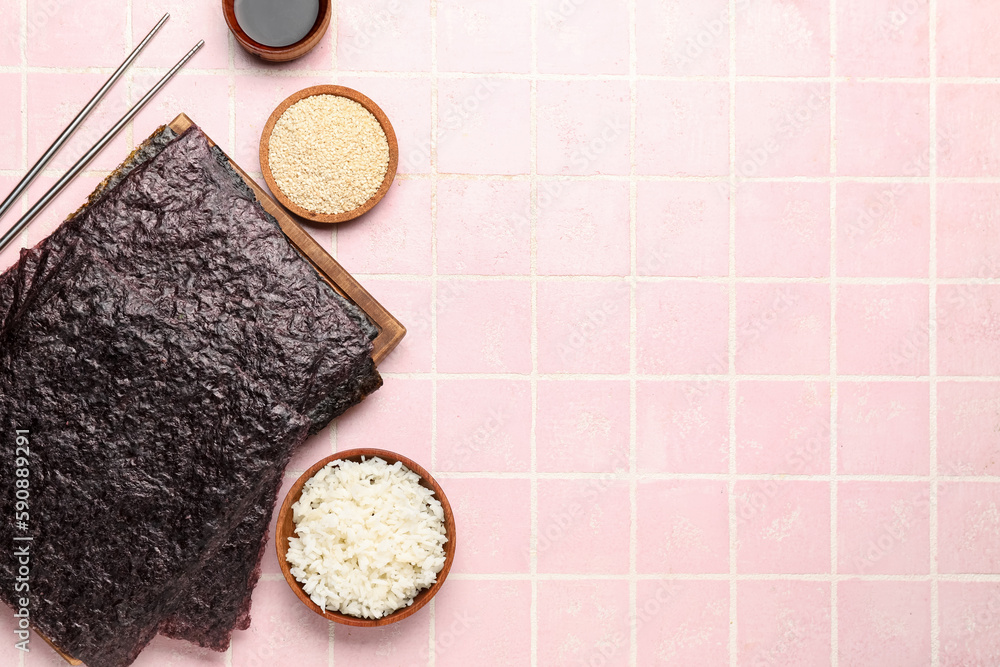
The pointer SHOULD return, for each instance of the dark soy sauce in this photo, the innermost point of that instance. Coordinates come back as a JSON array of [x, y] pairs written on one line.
[[276, 22]]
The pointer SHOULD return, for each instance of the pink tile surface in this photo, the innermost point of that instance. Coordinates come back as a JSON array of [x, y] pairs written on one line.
[[484, 227], [593, 430], [583, 127], [683, 427], [683, 527], [783, 427], [884, 623], [683, 622], [883, 428], [783, 527], [582, 427], [579, 620], [783, 622], [883, 528]]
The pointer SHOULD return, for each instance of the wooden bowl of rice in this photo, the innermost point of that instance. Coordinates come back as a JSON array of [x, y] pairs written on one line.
[[328, 154], [286, 528]]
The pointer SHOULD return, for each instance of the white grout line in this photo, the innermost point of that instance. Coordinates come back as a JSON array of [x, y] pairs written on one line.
[[533, 241], [433, 166], [633, 456], [732, 375], [691, 377], [932, 341], [834, 394]]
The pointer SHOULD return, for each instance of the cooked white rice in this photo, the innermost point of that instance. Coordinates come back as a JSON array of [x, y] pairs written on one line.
[[370, 537]]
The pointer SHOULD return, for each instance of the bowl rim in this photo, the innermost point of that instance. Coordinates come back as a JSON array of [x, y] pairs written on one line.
[[284, 520], [340, 91], [279, 53]]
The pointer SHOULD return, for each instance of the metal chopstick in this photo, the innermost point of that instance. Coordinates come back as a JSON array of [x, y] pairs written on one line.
[[75, 123], [92, 153]]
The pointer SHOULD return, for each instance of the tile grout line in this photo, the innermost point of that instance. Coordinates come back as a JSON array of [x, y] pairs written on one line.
[[231, 80], [23, 71], [533, 269], [932, 339], [834, 394], [130, 129], [633, 456], [721, 377], [433, 168], [733, 645]]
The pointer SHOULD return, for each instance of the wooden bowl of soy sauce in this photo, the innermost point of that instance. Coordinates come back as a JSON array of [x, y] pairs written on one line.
[[278, 30]]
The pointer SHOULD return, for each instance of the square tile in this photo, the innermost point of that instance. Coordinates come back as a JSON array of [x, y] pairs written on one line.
[[969, 612], [483, 327], [783, 428], [580, 620], [482, 622], [782, 129], [883, 129], [682, 229], [783, 229], [683, 39], [471, 113], [968, 232], [682, 427], [396, 645], [969, 524], [683, 527], [574, 515], [582, 38], [410, 302], [407, 104], [394, 237], [683, 623], [59, 32], [782, 329], [53, 100], [495, 535], [683, 326], [965, 44], [783, 527], [482, 36], [883, 329], [968, 422], [968, 329], [883, 528], [10, 28], [883, 38], [483, 425], [178, 34], [783, 38], [256, 98], [483, 227], [783, 623], [884, 622], [282, 625], [583, 326], [585, 230], [583, 127], [682, 128], [883, 230], [399, 412], [968, 122], [203, 97], [378, 35], [163, 652], [582, 426], [883, 428]]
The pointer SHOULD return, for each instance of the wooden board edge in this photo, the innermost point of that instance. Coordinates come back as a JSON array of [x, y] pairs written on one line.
[[65, 656], [391, 330]]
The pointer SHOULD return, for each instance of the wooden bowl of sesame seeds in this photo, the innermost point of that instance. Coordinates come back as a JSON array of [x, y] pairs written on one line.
[[328, 154]]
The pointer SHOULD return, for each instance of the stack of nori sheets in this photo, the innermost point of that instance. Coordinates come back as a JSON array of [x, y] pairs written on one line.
[[168, 350]]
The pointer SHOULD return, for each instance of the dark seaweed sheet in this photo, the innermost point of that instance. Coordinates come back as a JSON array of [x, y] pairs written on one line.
[[218, 599], [129, 497]]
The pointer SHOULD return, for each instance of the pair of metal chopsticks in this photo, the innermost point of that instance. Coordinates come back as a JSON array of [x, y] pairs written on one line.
[[97, 148]]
